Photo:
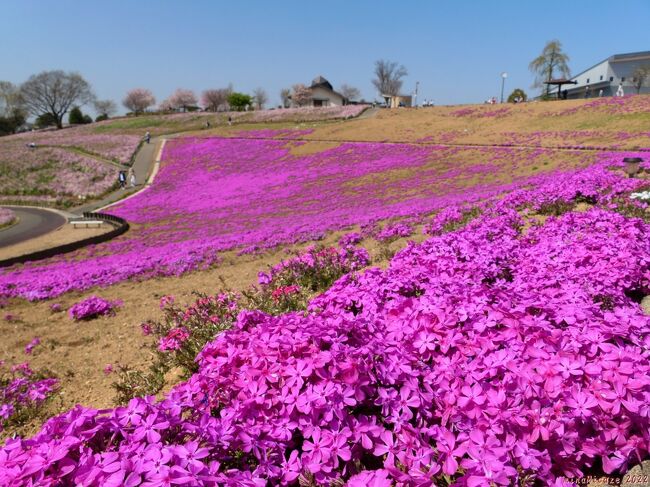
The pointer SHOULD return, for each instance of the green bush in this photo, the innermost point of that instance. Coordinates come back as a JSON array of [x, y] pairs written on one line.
[[76, 117]]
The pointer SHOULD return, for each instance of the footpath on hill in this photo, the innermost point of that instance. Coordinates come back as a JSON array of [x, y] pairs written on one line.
[[42, 228], [142, 166]]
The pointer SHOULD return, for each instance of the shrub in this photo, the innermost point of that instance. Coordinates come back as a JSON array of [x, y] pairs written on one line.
[[92, 307], [22, 393], [75, 117]]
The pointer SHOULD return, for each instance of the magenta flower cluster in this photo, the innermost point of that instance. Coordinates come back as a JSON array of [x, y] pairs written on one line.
[[92, 307], [394, 230], [313, 261], [34, 342], [485, 356], [21, 388], [487, 111]]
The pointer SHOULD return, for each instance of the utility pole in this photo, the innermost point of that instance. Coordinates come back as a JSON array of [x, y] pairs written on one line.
[[415, 95]]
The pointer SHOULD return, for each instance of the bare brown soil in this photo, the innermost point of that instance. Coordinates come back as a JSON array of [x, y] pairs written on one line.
[[62, 235]]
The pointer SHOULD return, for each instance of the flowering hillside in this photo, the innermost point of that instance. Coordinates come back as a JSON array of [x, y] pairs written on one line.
[[50, 175], [115, 147], [217, 194], [158, 124], [509, 351]]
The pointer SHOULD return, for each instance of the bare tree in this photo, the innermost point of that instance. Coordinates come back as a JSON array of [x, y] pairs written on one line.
[[388, 77], [350, 92], [215, 100], [551, 59], [640, 76], [10, 100], [260, 97], [54, 93], [138, 100], [285, 96], [107, 108], [300, 94], [182, 99]]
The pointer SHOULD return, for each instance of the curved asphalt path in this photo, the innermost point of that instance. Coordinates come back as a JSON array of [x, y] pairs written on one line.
[[32, 222]]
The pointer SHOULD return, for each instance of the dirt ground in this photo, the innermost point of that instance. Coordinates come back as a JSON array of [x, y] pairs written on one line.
[[62, 235]]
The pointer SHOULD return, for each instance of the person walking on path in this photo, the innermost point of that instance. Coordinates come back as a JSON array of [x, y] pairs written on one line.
[[229, 120], [147, 137], [620, 91], [122, 179], [133, 180]]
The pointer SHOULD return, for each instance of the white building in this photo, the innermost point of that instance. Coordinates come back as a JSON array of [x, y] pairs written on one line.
[[323, 94], [607, 75]]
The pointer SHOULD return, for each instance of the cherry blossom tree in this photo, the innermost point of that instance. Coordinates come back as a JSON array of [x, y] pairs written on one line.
[[300, 94], [183, 99], [138, 100], [166, 106]]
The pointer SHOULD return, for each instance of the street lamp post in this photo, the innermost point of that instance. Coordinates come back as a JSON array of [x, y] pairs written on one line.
[[504, 75], [415, 95]]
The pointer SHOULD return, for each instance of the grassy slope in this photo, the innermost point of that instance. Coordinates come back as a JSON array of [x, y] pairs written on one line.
[[550, 124]]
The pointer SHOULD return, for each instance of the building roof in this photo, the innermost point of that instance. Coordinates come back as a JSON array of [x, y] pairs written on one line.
[[319, 81], [630, 56]]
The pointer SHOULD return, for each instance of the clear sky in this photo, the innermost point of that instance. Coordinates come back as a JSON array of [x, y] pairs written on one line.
[[455, 49]]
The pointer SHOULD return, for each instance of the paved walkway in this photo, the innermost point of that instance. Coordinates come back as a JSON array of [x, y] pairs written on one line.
[[35, 222], [143, 165], [32, 223]]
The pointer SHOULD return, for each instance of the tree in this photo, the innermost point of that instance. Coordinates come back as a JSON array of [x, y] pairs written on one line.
[[285, 96], [300, 94], [215, 100], [349, 92], [640, 76], [388, 77], [12, 114], [11, 123], [551, 59], [138, 100], [55, 92], [260, 97], [75, 117], [517, 93], [106, 108], [182, 99], [45, 120], [239, 101], [10, 100]]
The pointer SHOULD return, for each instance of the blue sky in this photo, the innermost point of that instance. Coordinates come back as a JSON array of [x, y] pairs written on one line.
[[455, 49]]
